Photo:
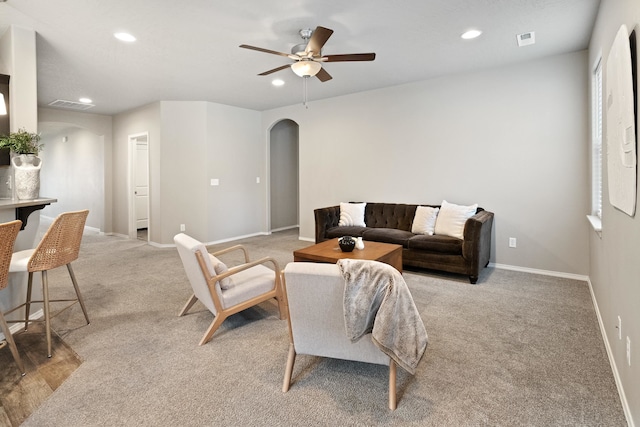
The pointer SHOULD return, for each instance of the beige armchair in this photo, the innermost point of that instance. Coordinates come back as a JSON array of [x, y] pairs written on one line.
[[227, 291], [315, 295]]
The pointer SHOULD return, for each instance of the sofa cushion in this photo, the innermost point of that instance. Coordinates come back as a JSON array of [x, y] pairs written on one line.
[[452, 218], [353, 231], [425, 220], [436, 243], [389, 215], [387, 235], [352, 214]]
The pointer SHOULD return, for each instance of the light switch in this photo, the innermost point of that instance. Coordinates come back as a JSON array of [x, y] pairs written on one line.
[[215, 181], [257, 180]]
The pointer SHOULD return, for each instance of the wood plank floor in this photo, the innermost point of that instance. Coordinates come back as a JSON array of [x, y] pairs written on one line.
[[20, 396]]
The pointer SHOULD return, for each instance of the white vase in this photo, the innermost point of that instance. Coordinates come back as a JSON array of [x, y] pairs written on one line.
[[26, 169], [359, 243]]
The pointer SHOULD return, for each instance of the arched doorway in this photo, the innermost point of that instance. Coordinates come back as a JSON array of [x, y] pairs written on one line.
[[283, 175]]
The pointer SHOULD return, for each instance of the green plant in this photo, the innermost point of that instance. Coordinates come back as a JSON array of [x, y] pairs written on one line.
[[22, 142]]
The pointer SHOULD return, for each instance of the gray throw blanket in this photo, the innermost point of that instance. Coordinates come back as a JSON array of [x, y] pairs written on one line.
[[377, 300]]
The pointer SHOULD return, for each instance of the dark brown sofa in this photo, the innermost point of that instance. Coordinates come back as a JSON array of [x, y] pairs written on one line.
[[391, 223]]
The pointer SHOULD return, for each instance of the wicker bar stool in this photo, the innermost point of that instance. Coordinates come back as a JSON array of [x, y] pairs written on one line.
[[8, 233], [59, 246]]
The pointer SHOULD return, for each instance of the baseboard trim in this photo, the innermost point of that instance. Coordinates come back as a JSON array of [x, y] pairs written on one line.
[[542, 272], [307, 239], [16, 327], [612, 362], [289, 227], [93, 230]]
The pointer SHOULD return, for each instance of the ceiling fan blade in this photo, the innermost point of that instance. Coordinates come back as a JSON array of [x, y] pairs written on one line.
[[266, 73], [273, 52], [349, 57], [323, 76], [318, 39]]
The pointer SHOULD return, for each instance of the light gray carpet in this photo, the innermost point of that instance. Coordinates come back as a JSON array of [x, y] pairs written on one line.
[[516, 349]]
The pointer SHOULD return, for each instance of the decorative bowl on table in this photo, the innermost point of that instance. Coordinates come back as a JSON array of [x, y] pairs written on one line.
[[347, 243]]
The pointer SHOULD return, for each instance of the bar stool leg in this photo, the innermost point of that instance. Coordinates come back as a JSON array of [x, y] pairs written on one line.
[[78, 294], [27, 306], [45, 303], [12, 344]]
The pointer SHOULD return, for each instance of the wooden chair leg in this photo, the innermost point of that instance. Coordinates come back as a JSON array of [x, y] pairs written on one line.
[[12, 344], [288, 371], [392, 385], [78, 294], [47, 311], [282, 307], [27, 305], [212, 328], [188, 305]]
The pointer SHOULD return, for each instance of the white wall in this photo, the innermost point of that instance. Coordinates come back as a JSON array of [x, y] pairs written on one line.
[[87, 154], [18, 60], [143, 119], [183, 170], [510, 139], [236, 156], [615, 270], [189, 144]]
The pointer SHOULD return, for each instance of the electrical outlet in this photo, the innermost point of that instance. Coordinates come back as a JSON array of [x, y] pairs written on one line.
[[512, 242], [619, 328], [215, 181], [628, 351], [182, 227]]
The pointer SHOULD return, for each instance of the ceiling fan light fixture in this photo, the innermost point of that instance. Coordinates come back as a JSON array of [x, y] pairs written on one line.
[[306, 68]]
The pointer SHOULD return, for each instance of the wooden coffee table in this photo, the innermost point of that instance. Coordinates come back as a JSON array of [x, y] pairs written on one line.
[[329, 251]]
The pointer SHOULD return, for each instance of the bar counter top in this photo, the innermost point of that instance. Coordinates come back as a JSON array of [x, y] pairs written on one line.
[[16, 203], [22, 208]]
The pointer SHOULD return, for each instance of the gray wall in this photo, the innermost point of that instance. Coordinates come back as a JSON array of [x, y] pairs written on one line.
[[283, 175], [614, 255], [510, 139]]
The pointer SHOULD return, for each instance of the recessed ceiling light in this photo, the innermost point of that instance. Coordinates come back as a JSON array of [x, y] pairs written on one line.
[[85, 100], [125, 37], [471, 34], [277, 82]]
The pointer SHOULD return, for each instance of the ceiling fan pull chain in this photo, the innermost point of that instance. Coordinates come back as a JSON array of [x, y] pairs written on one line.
[[304, 91]]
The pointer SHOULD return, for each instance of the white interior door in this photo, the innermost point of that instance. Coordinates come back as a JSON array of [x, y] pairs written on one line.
[[142, 184], [139, 185]]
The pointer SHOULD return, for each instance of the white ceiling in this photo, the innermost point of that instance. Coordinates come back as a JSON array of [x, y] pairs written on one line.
[[188, 50]]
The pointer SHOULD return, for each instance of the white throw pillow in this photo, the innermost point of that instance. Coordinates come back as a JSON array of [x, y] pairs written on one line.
[[452, 218], [220, 267], [352, 214], [424, 221]]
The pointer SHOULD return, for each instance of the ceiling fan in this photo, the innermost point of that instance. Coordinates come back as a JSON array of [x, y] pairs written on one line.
[[307, 56]]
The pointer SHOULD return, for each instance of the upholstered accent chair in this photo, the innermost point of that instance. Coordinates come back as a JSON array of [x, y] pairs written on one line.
[[315, 293], [226, 291]]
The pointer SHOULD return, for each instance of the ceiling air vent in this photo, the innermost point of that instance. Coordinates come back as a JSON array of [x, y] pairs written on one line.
[[70, 105], [525, 39]]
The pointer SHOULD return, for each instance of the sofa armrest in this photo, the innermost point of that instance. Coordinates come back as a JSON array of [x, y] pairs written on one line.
[[476, 247], [326, 218]]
